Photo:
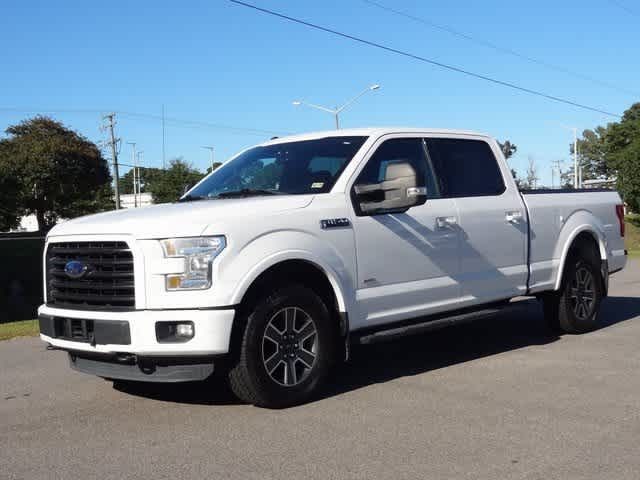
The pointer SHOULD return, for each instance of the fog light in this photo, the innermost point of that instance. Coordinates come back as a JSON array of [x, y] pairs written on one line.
[[184, 330], [174, 332]]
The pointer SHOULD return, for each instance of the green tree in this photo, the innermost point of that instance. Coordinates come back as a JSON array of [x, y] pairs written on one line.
[[170, 184], [213, 167], [147, 177], [508, 150], [10, 198], [59, 173], [566, 178], [622, 145], [592, 153], [532, 174]]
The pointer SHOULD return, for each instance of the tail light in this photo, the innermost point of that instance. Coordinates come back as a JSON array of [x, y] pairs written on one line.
[[620, 215]]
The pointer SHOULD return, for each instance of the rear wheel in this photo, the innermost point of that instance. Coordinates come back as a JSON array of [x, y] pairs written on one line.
[[574, 309], [286, 349]]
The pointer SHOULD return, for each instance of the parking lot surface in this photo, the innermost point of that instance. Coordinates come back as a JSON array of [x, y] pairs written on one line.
[[501, 398]]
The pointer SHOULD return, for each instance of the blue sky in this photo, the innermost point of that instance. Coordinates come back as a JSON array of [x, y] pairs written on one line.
[[222, 64]]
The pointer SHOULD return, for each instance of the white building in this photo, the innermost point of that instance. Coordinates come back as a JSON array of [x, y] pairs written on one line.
[[28, 223], [599, 183], [128, 200]]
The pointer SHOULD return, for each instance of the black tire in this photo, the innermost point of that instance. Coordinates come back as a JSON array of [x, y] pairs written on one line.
[[561, 309], [250, 379]]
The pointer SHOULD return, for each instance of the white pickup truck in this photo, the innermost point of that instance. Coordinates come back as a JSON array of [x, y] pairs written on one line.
[[271, 266]]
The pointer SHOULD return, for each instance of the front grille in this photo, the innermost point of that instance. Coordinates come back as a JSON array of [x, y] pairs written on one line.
[[107, 283]]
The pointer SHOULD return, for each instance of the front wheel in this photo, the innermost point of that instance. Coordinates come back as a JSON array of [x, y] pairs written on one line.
[[574, 309], [286, 349]]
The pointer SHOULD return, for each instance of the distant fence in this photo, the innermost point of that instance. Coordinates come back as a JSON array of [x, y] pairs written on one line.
[[20, 275]]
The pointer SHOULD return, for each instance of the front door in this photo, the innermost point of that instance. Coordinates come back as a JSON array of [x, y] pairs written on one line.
[[407, 262]]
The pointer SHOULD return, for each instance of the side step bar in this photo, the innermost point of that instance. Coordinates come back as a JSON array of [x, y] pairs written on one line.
[[437, 323]]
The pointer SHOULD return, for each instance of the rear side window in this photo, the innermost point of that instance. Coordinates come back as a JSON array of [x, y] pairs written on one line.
[[465, 168]]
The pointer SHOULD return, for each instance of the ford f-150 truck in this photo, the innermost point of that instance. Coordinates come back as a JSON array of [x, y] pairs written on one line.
[[272, 265]]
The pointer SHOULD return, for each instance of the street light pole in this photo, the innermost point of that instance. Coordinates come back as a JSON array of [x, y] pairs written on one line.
[[133, 158], [575, 154], [210, 148], [336, 111]]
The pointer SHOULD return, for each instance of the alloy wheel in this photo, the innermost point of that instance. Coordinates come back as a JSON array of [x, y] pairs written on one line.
[[582, 293], [290, 346]]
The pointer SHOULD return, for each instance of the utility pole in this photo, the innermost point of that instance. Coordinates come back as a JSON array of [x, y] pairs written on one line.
[[210, 148], [580, 176], [114, 153], [133, 158], [136, 170], [555, 167], [575, 158], [579, 168], [163, 161]]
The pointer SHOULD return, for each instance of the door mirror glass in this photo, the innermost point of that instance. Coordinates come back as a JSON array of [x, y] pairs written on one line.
[[398, 191]]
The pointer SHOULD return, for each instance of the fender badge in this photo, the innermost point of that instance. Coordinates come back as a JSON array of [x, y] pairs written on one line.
[[334, 223]]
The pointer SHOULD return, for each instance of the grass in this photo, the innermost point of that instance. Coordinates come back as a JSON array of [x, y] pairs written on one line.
[[25, 328], [632, 235]]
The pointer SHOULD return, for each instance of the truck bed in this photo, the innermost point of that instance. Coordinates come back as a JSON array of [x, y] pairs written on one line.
[[558, 216]]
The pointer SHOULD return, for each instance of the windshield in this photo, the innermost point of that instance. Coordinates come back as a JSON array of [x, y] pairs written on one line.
[[310, 166]]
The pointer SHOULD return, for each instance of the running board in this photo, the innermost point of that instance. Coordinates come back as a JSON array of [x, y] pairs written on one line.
[[435, 324]]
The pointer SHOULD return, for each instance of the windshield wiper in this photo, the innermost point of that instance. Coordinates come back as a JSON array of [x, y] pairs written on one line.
[[192, 198], [247, 192]]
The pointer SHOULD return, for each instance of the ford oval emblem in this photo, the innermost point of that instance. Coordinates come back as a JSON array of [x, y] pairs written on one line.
[[75, 269]]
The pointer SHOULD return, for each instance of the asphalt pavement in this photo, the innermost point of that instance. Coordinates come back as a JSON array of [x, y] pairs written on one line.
[[500, 398]]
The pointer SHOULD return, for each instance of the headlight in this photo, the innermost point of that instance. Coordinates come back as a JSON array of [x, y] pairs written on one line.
[[198, 254]]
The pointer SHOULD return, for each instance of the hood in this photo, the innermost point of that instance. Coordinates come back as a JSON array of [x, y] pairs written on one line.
[[178, 219]]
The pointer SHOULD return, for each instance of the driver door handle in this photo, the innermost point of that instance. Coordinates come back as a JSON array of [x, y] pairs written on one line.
[[513, 216], [446, 222]]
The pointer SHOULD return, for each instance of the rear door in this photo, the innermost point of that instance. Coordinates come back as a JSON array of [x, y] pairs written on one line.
[[407, 263], [492, 218]]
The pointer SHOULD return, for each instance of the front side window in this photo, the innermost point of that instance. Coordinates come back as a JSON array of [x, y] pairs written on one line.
[[465, 168], [409, 150], [294, 168]]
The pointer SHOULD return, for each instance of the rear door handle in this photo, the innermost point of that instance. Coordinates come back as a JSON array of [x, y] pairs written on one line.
[[513, 216], [446, 222]]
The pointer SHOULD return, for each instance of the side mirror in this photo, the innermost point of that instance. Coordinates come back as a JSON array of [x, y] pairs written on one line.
[[397, 193]]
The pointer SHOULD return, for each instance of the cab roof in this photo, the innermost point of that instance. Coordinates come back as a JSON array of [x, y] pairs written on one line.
[[369, 132]]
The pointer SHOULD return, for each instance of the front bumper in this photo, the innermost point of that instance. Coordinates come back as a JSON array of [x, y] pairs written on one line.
[[143, 369], [212, 332]]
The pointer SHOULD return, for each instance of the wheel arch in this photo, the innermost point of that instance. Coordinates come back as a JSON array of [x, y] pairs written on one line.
[[582, 237], [303, 268]]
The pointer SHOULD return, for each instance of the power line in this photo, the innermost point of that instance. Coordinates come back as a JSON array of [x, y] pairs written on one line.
[[498, 48], [198, 123], [427, 60], [623, 7], [176, 121]]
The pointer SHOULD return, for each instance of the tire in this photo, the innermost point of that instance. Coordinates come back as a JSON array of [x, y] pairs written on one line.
[[574, 309], [281, 361]]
